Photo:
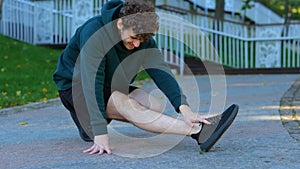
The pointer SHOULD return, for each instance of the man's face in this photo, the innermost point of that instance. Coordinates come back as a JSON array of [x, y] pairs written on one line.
[[130, 40]]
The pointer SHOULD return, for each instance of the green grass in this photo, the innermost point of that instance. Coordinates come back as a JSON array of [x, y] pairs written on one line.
[[26, 72], [142, 75]]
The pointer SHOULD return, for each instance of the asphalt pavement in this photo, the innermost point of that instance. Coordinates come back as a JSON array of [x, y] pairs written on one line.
[[42, 135]]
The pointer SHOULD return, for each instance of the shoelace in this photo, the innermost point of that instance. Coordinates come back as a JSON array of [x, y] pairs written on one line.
[[215, 120]]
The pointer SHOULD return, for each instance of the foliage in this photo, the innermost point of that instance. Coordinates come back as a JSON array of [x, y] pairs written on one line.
[[247, 5], [278, 6]]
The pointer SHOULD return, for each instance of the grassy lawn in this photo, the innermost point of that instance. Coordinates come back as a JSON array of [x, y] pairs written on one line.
[[26, 72]]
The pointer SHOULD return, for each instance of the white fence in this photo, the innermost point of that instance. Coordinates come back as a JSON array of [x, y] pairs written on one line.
[[233, 44], [47, 21], [253, 46], [259, 13]]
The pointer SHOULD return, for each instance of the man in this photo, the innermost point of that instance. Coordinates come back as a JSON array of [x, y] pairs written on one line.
[[96, 69]]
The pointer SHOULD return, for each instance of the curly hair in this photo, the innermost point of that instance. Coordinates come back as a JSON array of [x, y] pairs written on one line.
[[141, 17]]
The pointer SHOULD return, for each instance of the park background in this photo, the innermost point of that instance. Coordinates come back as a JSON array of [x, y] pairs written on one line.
[[259, 45], [243, 36]]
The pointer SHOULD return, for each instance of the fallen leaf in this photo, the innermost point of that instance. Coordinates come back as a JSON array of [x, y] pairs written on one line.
[[18, 93], [23, 123], [264, 84], [44, 90]]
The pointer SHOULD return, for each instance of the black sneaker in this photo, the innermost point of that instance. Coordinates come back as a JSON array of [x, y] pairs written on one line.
[[207, 129], [210, 134]]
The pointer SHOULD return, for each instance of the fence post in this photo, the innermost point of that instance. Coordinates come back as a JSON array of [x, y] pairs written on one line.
[[43, 22], [82, 11], [181, 50], [268, 52], [246, 46]]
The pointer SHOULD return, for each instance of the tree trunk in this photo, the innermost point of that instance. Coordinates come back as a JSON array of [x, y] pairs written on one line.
[[287, 16], [0, 10], [220, 5], [218, 24], [286, 11], [219, 13]]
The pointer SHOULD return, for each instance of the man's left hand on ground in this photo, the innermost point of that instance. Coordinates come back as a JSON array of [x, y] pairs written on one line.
[[100, 145]]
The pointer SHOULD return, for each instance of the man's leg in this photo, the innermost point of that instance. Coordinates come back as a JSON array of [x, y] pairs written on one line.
[[67, 101], [142, 97], [138, 110]]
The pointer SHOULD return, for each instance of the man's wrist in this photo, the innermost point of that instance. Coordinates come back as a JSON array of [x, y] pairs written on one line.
[[184, 108], [100, 135]]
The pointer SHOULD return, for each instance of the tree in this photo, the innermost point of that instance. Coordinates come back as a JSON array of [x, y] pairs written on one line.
[[286, 11], [220, 9], [246, 5], [219, 13], [288, 7], [0, 10]]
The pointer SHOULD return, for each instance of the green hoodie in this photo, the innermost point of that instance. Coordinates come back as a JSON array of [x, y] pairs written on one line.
[[117, 69]]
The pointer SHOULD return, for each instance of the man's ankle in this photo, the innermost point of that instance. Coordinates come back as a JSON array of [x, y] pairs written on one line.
[[196, 129]]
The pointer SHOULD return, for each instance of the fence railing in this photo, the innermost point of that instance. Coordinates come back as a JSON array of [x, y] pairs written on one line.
[[233, 44], [47, 21], [226, 42], [259, 13], [177, 38], [254, 46], [18, 20]]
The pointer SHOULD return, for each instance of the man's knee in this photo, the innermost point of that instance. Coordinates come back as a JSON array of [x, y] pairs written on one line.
[[147, 100], [118, 98], [137, 100]]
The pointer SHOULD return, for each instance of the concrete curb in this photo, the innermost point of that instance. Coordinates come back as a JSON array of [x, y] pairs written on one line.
[[36, 105]]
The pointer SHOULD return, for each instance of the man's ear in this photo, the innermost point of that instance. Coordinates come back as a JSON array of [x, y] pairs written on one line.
[[120, 24]]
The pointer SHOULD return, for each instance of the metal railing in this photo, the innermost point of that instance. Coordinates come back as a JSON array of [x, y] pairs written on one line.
[[225, 42], [18, 19], [48, 21], [254, 46]]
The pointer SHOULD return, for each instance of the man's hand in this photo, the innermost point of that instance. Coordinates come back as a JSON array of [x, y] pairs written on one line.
[[190, 117], [100, 145]]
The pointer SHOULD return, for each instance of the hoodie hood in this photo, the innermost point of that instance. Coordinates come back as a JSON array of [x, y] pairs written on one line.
[[110, 10]]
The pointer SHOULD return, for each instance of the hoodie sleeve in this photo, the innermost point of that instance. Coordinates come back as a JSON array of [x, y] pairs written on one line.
[[162, 76], [92, 72], [92, 42], [91, 75]]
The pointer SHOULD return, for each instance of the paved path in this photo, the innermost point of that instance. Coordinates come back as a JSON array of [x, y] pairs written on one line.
[[45, 137]]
